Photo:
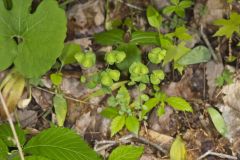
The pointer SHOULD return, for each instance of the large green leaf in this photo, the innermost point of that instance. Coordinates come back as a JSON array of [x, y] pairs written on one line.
[[218, 121], [7, 136], [154, 18], [126, 153], [3, 150], [111, 37], [31, 41], [145, 38], [179, 103], [198, 54], [33, 158], [60, 144]]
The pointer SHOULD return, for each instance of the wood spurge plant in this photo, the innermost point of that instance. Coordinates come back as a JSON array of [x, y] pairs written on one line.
[[137, 76]]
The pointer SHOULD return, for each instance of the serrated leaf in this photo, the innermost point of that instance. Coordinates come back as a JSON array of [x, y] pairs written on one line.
[[68, 53], [60, 106], [145, 38], [178, 150], [228, 27], [179, 103], [33, 158], [109, 112], [126, 153], [7, 136], [31, 41], [111, 37], [117, 124], [3, 150], [60, 144], [199, 54], [218, 121], [152, 102], [132, 124], [154, 18]]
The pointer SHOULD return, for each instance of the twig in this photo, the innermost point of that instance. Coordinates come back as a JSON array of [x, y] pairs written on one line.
[[5, 108], [221, 155], [157, 146], [67, 97], [215, 57], [126, 139], [130, 5]]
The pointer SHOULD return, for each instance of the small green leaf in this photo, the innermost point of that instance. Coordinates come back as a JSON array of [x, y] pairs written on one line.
[[117, 124], [182, 33], [152, 102], [3, 150], [109, 112], [169, 10], [198, 54], [126, 153], [68, 53], [56, 78], [228, 27], [60, 106], [178, 149], [133, 54], [111, 37], [156, 55], [154, 18], [175, 2], [114, 74], [7, 136], [185, 4], [218, 121], [132, 124], [161, 109], [60, 144], [106, 80], [145, 38], [179, 103]]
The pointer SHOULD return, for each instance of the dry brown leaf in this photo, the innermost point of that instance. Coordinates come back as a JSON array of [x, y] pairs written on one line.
[[27, 118], [213, 70]]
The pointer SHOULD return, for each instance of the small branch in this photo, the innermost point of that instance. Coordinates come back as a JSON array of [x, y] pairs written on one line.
[[221, 155], [126, 139], [130, 5], [67, 97], [215, 57], [5, 108]]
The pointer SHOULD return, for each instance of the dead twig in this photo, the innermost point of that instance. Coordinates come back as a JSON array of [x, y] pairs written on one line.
[[67, 97], [131, 5], [221, 155], [102, 145], [5, 108], [203, 35]]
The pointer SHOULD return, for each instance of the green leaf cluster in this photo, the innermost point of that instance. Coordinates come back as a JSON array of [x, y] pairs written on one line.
[[178, 7], [225, 78]]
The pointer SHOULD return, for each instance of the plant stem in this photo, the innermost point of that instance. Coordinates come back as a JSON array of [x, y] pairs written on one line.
[[12, 126]]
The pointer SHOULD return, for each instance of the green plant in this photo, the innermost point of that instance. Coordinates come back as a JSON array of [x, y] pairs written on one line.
[[178, 7], [60, 143], [225, 78]]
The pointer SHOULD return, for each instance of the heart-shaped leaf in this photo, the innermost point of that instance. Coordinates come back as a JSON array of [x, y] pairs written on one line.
[[32, 41]]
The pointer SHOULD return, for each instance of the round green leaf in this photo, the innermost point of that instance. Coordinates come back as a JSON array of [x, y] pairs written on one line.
[[156, 55], [31, 41]]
